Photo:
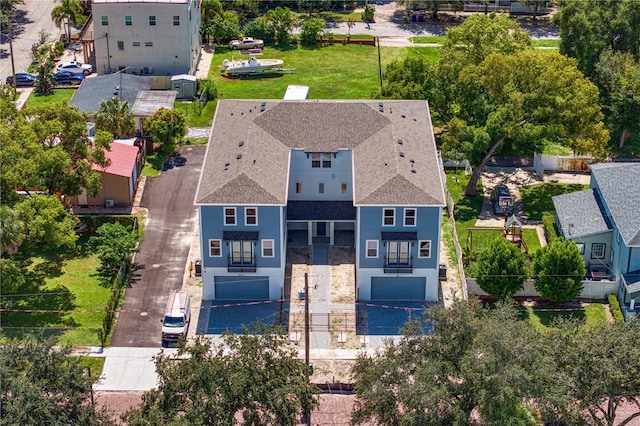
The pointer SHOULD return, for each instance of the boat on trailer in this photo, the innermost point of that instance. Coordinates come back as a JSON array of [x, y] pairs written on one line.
[[245, 68]]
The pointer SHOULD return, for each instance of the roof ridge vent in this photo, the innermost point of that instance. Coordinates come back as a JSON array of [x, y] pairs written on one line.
[[401, 153], [412, 161], [413, 170], [238, 156], [400, 141], [241, 143]]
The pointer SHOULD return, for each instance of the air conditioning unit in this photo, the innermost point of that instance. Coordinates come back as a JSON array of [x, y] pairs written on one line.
[[109, 202]]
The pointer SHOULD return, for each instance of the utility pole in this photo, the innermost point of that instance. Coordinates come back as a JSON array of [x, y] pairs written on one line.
[[307, 335], [13, 65]]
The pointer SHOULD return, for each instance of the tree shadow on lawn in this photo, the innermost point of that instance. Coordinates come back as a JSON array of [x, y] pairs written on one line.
[[468, 208]]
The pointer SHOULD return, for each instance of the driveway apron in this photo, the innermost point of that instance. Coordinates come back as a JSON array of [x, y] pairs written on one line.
[[160, 264]]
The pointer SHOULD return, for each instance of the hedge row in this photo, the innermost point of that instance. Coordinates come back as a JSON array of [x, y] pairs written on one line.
[[549, 222], [615, 308]]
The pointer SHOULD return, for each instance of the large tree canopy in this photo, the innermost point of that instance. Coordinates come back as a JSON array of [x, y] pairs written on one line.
[[588, 27], [43, 385], [501, 269], [248, 379], [558, 271]]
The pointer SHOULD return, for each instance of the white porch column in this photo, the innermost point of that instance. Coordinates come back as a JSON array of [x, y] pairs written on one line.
[[330, 233], [310, 233]]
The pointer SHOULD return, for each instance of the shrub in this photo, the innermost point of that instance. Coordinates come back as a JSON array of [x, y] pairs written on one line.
[[558, 270], [501, 269], [614, 305], [260, 28], [549, 222], [311, 30]]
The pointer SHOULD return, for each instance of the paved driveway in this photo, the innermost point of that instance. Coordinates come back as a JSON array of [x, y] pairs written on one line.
[[160, 264]]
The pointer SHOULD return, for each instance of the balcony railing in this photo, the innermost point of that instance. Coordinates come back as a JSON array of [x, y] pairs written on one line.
[[244, 264], [398, 265]]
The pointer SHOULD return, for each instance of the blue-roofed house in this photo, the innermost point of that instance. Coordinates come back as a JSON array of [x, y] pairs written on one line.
[[604, 221], [364, 174]]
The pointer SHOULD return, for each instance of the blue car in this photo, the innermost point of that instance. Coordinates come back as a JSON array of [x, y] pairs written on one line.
[[22, 79], [67, 77]]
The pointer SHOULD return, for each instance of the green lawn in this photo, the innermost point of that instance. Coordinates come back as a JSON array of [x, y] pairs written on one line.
[[58, 96], [536, 199], [543, 316], [546, 42], [64, 293], [95, 364], [428, 39]]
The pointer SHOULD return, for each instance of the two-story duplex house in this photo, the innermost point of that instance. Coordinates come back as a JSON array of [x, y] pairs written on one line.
[[604, 221], [363, 173], [160, 37]]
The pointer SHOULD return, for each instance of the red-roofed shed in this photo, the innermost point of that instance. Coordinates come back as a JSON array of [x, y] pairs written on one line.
[[119, 179]]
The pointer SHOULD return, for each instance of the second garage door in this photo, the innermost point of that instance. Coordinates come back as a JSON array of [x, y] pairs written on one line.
[[242, 288], [398, 288]]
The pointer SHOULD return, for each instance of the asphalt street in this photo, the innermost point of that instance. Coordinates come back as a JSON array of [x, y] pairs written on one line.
[[160, 264], [31, 17]]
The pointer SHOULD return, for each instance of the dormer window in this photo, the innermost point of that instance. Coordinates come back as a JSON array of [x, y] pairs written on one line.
[[321, 160]]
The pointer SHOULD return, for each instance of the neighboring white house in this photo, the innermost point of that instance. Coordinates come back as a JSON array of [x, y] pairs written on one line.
[[156, 37]]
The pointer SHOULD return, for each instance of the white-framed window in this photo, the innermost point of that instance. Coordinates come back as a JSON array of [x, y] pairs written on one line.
[[409, 217], [344, 187], [321, 188], [152, 20], [104, 19], [372, 248], [320, 160], [120, 45], [298, 188], [267, 248], [242, 252], [398, 252], [598, 250], [424, 248], [251, 216], [580, 247], [136, 44], [176, 21], [215, 248], [388, 217], [128, 21], [148, 44], [229, 215]]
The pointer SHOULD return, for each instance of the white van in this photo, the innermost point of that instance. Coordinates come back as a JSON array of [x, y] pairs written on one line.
[[176, 317]]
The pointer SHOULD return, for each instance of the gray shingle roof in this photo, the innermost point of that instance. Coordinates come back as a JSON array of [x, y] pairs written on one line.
[[321, 210], [619, 185], [94, 90], [580, 214], [262, 134]]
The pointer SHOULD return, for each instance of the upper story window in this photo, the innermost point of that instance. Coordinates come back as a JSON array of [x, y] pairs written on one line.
[[597, 250], [176, 21], [120, 45], [425, 249], [148, 44], [298, 187], [229, 215], [104, 20], [128, 21], [398, 252], [388, 217], [409, 217], [136, 44], [152, 21], [344, 187], [372, 248], [215, 248], [250, 216], [320, 160], [321, 188]]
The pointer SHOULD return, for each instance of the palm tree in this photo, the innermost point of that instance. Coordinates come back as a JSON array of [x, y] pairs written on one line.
[[11, 231], [116, 117], [283, 21], [69, 12]]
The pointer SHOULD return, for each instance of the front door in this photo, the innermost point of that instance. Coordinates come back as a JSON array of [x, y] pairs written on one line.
[[321, 229]]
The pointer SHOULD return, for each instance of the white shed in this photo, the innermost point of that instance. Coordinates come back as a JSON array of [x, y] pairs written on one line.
[[185, 84]]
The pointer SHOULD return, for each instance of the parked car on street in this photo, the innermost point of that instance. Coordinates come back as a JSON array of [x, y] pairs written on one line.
[[67, 77], [22, 79], [501, 200], [75, 67], [246, 43]]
